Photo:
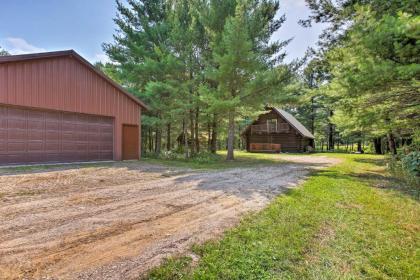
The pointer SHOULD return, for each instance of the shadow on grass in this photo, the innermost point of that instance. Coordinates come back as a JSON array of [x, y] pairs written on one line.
[[375, 179], [375, 174], [374, 161], [390, 183]]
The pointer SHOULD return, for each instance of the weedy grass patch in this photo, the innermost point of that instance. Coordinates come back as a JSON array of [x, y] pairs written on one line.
[[218, 161]]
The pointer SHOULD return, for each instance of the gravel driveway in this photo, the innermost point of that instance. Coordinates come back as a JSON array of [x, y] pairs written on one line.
[[116, 221]]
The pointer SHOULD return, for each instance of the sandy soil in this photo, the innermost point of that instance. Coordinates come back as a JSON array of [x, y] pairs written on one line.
[[116, 221]]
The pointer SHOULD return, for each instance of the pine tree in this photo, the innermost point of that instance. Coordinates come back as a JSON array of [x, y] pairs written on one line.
[[191, 61], [372, 52], [3, 52], [146, 63], [244, 72]]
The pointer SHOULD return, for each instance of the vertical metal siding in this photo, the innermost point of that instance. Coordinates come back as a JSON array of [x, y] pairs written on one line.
[[65, 84]]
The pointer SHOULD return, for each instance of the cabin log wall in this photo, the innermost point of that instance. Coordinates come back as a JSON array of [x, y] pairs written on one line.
[[291, 141]]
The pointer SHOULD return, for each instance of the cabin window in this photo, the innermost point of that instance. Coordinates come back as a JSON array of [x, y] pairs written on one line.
[[272, 125]]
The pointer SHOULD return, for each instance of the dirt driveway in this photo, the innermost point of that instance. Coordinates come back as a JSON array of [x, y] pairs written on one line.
[[115, 221]]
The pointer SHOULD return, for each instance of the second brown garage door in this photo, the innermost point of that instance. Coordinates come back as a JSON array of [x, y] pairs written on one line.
[[36, 136]]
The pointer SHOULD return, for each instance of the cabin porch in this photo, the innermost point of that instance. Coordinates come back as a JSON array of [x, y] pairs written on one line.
[[265, 147]]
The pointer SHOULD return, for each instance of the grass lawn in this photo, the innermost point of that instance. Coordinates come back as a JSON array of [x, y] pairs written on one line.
[[350, 221], [218, 161]]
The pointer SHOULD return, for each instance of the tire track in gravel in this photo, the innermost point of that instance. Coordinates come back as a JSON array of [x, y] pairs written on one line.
[[118, 221]]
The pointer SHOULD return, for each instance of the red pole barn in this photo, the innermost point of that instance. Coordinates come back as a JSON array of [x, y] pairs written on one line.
[[57, 107]]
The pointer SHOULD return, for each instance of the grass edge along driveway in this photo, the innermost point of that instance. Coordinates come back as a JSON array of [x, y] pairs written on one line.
[[350, 221]]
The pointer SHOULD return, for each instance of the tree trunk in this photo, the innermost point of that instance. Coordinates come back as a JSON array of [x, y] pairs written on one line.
[[213, 148], [158, 140], [143, 136], [197, 139], [231, 135], [168, 137], [331, 133], [359, 146], [312, 115], [377, 143], [184, 132], [150, 140], [208, 136], [192, 142], [239, 137], [384, 145], [391, 143], [145, 139]]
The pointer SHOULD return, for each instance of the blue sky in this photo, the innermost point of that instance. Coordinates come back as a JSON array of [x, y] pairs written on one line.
[[28, 26]]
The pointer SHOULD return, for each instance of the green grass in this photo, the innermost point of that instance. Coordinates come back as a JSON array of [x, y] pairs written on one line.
[[218, 161], [243, 159], [350, 221]]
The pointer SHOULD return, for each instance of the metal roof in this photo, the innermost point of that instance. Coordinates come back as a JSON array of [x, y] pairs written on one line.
[[294, 122], [71, 53]]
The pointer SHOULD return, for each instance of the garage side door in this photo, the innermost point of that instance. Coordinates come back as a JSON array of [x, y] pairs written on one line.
[[36, 136], [130, 142]]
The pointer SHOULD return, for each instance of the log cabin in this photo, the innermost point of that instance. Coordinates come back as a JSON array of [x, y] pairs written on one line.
[[277, 131]]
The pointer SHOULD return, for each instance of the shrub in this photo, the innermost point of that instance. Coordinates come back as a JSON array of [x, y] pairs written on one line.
[[205, 157], [410, 164], [406, 166], [168, 155], [202, 157]]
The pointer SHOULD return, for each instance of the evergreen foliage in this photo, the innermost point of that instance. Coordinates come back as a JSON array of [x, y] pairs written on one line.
[[195, 61], [3, 52], [371, 55], [206, 68]]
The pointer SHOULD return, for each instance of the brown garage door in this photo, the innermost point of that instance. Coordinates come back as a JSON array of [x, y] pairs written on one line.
[[35, 136]]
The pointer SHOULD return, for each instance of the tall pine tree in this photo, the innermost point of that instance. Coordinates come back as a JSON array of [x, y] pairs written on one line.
[[245, 64]]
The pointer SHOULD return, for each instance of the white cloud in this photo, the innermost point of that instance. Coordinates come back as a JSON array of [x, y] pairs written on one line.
[[16, 45], [21, 46], [287, 4], [101, 57]]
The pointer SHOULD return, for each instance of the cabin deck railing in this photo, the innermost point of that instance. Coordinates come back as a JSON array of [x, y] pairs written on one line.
[[269, 128], [265, 147]]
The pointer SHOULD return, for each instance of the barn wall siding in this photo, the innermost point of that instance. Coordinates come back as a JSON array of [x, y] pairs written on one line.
[[65, 84]]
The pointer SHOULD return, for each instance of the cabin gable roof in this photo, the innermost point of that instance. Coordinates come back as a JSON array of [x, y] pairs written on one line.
[[294, 122], [291, 120]]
